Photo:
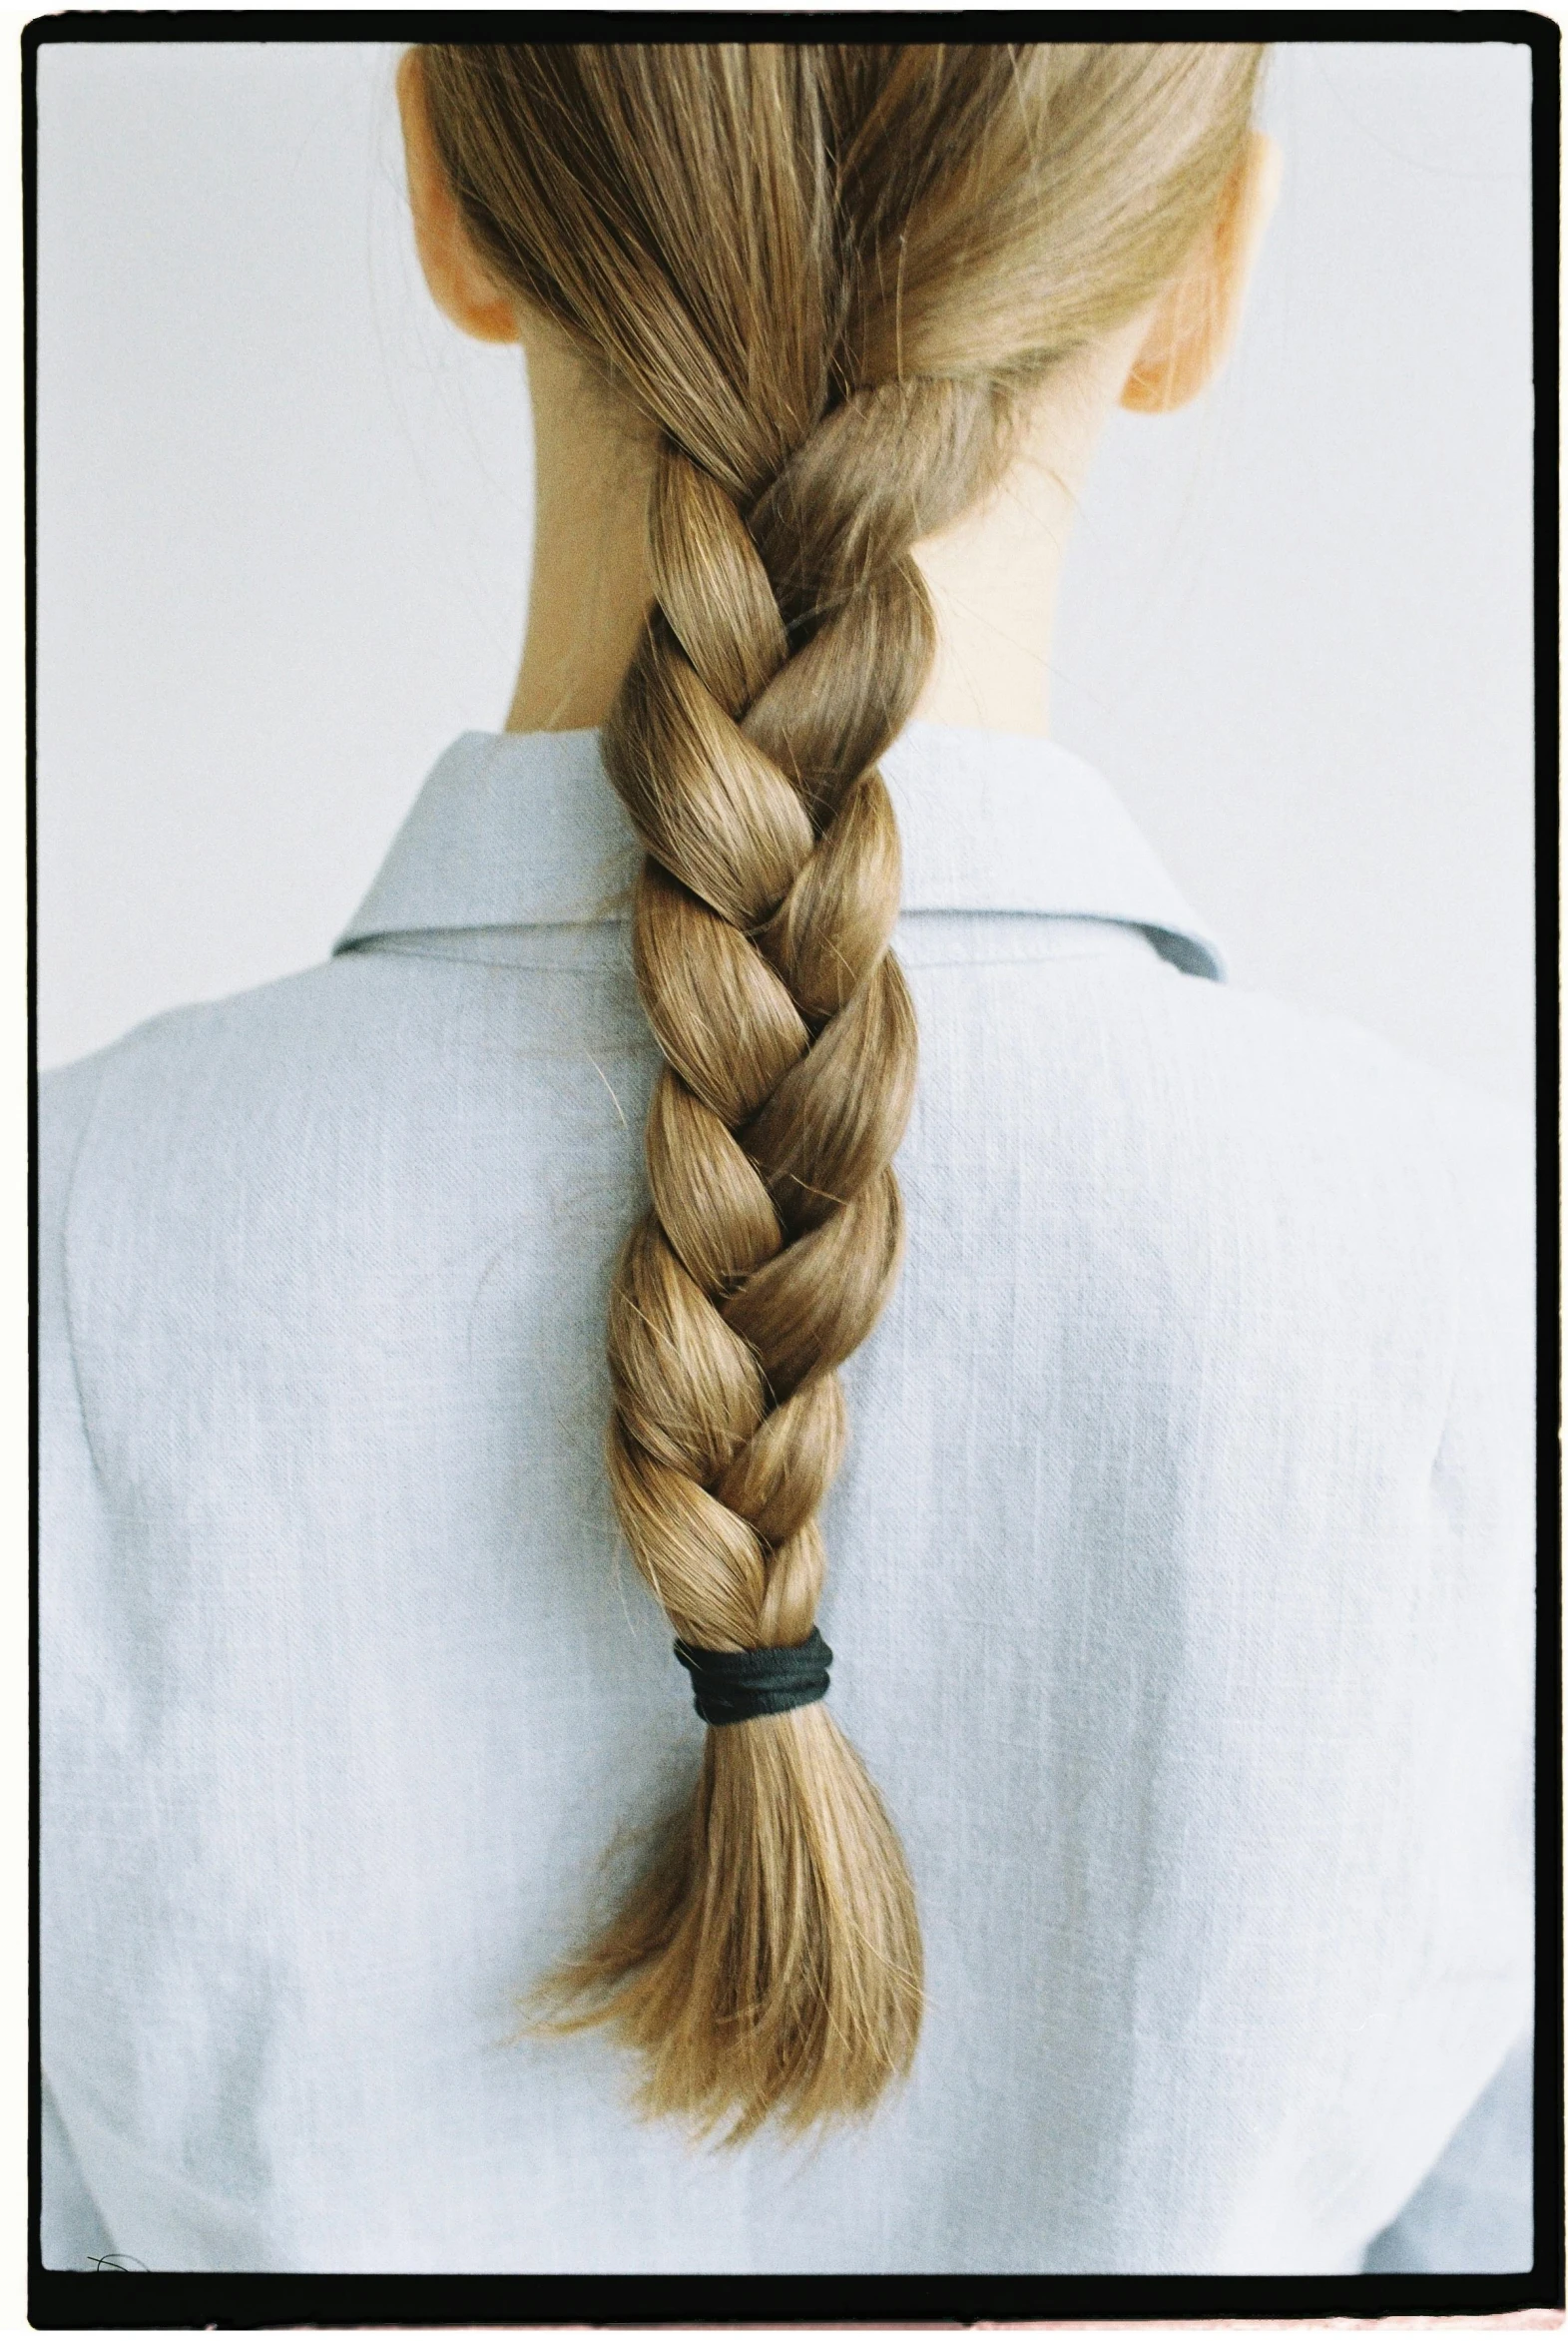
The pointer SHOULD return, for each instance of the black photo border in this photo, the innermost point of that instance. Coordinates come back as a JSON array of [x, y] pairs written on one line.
[[81, 2301]]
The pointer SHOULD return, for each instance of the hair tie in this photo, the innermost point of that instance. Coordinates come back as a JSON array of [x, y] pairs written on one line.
[[731, 1686]]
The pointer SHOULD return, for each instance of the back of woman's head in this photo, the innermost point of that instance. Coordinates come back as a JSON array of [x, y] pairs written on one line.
[[830, 280]]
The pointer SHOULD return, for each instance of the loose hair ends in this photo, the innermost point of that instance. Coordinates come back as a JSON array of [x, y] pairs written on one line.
[[766, 1964], [829, 277]]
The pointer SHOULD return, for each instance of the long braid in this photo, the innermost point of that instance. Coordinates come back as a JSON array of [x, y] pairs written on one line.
[[761, 927], [824, 274]]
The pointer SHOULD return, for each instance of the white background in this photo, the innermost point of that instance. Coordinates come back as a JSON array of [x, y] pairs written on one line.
[[284, 524]]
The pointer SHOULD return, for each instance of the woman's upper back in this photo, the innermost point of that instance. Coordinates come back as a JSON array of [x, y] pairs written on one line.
[[1179, 1580]]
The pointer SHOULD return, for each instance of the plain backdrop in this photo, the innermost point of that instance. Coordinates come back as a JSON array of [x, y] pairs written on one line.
[[283, 519]]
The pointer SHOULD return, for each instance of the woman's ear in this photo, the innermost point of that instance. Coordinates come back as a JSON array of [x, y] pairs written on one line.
[[1195, 319], [458, 283]]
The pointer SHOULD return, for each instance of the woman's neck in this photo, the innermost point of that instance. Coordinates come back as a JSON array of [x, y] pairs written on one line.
[[993, 578]]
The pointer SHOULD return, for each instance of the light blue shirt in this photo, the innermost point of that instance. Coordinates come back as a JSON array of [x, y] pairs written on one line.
[[1180, 1580]]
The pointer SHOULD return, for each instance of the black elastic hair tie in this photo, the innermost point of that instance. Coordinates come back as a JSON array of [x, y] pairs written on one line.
[[731, 1686]]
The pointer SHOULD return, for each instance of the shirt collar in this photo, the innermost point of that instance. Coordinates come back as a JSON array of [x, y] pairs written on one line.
[[522, 828]]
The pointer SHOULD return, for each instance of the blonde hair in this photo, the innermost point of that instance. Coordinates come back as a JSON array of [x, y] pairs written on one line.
[[827, 277]]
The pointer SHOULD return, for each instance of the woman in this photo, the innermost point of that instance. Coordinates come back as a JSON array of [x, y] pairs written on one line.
[[1179, 1909]]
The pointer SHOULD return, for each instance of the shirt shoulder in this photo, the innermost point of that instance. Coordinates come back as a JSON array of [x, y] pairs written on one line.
[[1163, 1127]]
